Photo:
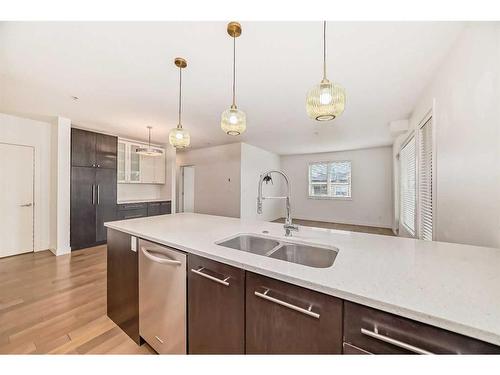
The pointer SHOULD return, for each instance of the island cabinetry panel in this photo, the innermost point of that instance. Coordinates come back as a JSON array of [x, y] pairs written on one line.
[[286, 319], [123, 283], [377, 332], [216, 307]]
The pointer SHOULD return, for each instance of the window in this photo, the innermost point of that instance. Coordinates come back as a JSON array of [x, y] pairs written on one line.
[[330, 179], [425, 182], [407, 166]]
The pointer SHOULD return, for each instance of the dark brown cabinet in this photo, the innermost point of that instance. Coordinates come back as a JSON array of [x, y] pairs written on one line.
[[93, 187], [286, 319], [376, 332], [216, 307], [123, 283], [94, 150]]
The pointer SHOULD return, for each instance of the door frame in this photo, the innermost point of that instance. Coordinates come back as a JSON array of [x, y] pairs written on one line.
[[181, 187], [32, 191]]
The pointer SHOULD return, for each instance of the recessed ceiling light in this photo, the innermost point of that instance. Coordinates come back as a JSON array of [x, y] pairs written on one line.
[[74, 97]]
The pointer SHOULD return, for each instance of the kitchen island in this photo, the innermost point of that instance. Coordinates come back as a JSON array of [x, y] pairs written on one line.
[[450, 288]]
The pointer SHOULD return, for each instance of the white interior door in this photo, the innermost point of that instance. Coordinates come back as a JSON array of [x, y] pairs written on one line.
[[188, 189], [16, 199]]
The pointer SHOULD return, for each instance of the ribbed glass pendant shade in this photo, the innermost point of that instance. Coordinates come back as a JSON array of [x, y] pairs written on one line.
[[179, 138], [233, 121], [325, 101]]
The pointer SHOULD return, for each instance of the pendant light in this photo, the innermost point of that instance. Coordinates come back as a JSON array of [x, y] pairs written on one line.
[[325, 101], [233, 121], [179, 137], [149, 151]]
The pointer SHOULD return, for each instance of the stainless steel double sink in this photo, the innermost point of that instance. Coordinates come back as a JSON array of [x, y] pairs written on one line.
[[311, 256]]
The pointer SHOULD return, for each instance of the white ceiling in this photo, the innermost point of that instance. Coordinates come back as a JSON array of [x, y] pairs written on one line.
[[124, 76]]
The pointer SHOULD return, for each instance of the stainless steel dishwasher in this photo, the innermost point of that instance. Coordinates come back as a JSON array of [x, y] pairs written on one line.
[[162, 298]]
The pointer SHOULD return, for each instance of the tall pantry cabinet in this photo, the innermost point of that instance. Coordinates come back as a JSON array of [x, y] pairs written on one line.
[[93, 186]]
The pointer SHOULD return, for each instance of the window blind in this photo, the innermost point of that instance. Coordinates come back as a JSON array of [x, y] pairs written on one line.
[[425, 181], [407, 185], [330, 179]]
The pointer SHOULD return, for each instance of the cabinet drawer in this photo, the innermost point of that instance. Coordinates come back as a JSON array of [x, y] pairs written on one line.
[[153, 208], [216, 307], [287, 319], [132, 206], [379, 332], [165, 208]]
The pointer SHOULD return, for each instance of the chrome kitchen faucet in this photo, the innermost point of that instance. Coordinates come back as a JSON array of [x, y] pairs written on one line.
[[289, 227]]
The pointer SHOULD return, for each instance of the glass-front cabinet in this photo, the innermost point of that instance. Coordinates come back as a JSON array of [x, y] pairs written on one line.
[[139, 169], [120, 173], [135, 164]]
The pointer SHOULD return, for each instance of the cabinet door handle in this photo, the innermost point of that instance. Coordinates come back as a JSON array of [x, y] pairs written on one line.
[[159, 260], [98, 195], [203, 274], [93, 194], [307, 311], [389, 340]]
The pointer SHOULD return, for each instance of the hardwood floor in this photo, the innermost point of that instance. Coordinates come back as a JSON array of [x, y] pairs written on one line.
[[348, 227], [52, 304]]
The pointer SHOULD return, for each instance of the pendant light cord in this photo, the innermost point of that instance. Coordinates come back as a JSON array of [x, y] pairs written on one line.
[[324, 49], [234, 71], [179, 126]]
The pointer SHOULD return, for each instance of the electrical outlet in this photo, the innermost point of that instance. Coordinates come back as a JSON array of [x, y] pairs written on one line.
[[133, 243]]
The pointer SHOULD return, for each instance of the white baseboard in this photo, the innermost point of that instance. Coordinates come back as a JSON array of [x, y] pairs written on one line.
[[61, 251]]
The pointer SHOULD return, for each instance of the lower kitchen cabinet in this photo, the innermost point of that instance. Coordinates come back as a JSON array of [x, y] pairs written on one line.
[[286, 319], [371, 331], [216, 307], [123, 283]]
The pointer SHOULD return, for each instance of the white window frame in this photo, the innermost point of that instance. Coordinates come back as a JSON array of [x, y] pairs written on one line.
[[412, 232], [328, 182], [418, 215]]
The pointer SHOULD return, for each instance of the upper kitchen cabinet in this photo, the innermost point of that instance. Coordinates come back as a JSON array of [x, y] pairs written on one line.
[[139, 169], [95, 150]]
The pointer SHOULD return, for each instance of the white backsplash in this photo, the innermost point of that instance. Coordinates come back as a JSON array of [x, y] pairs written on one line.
[[127, 192]]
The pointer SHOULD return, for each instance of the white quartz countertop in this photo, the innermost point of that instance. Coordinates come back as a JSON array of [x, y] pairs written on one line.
[[455, 287], [125, 201]]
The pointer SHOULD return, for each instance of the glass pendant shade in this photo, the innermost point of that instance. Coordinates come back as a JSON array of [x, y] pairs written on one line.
[[179, 138], [325, 101], [149, 151], [233, 121]]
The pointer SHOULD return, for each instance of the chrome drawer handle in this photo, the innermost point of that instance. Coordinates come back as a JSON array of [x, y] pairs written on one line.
[[286, 304], [389, 340], [220, 281], [159, 260]]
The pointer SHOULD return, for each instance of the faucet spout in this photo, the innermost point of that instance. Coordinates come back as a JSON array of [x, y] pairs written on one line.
[[289, 227]]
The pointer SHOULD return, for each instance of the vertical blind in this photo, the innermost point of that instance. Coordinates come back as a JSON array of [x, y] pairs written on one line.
[[425, 181], [407, 161]]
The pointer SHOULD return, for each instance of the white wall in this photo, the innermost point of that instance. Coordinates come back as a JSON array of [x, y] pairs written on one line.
[[217, 178], [371, 202], [255, 161], [467, 127], [60, 186], [17, 130]]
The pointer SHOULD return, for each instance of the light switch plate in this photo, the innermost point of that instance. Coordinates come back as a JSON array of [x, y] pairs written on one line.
[[133, 243]]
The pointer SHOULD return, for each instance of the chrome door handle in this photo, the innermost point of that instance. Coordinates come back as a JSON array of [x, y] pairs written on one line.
[[98, 195], [307, 311], [26, 205], [159, 260], [203, 274], [389, 340], [93, 194]]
